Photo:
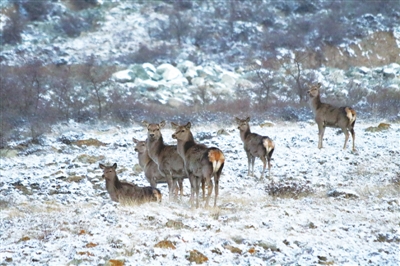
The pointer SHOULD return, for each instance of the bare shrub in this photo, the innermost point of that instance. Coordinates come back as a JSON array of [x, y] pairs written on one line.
[[37, 10], [289, 189], [149, 54], [82, 4], [72, 25], [13, 29]]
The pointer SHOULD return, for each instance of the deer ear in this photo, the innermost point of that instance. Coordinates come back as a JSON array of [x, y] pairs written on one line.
[[145, 123], [319, 85], [237, 119], [115, 166], [135, 140], [188, 125], [174, 126], [162, 124], [248, 119], [101, 166]]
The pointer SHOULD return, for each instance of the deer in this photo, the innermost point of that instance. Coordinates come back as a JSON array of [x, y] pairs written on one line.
[[255, 145], [201, 163], [120, 191], [327, 115], [169, 162], [150, 168]]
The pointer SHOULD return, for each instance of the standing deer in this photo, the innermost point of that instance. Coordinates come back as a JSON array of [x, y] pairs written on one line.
[[125, 191], [150, 168], [255, 145], [170, 164], [201, 163], [327, 115]]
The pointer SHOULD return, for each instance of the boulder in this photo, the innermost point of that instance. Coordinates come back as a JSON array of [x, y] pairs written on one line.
[[122, 76], [138, 71], [169, 72]]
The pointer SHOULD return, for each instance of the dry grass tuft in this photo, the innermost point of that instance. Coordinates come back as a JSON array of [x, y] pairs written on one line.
[[289, 189]]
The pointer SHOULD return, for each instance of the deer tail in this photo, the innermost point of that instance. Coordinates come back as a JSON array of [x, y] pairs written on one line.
[[269, 146], [216, 157], [351, 114]]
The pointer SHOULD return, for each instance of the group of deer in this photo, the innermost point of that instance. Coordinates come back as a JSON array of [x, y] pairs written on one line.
[[172, 163]]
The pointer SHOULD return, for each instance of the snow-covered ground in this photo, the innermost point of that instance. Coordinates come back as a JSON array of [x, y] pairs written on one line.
[[326, 206]]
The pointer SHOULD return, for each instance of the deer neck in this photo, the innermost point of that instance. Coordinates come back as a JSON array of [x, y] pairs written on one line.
[[184, 145], [113, 185], [144, 159], [315, 103], [245, 133], [155, 147]]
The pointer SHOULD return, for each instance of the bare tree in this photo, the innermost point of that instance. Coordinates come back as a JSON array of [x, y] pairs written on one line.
[[265, 83], [97, 78], [295, 70]]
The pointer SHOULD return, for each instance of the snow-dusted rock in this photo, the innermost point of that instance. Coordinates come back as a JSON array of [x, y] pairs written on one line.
[[169, 72], [122, 76]]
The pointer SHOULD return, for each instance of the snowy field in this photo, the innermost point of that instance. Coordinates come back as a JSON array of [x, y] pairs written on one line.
[[328, 206]]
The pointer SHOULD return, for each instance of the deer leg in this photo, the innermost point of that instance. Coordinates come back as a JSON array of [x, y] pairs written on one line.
[[171, 186], [209, 191], [269, 164], [192, 189], [216, 180], [253, 159], [321, 131], [353, 135], [264, 166], [198, 180], [180, 183], [346, 137], [248, 163], [203, 188]]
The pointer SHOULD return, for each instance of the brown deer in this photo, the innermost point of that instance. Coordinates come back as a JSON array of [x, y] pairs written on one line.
[[255, 145], [170, 163], [327, 115], [120, 191], [201, 163], [150, 168]]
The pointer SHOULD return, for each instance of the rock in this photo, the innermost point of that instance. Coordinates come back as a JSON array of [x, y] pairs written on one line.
[[198, 81], [84, 158], [229, 79], [343, 193], [186, 65], [267, 124], [123, 76], [8, 153], [138, 71], [169, 72], [222, 132], [89, 142], [148, 84], [175, 103]]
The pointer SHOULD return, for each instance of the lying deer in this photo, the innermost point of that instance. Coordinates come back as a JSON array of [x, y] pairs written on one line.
[[327, 115], [201, 163], [170, 164], [125, 191], [255, 145], [150, 168]]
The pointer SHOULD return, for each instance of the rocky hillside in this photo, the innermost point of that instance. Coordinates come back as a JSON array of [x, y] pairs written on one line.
[[88, 60]]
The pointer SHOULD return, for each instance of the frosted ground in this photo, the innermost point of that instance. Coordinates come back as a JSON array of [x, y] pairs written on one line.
[[326, 206]]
